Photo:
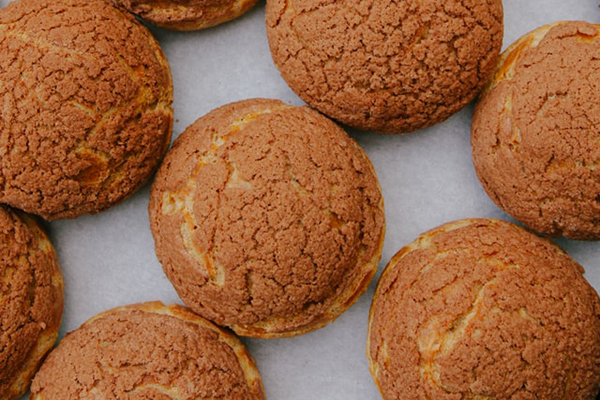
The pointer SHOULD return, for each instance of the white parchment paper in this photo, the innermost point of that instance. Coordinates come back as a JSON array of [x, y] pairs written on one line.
[[427, 179]]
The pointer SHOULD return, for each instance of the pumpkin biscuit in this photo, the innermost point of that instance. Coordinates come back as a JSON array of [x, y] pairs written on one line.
[[86, 99], [148, 351], [31, 300], [535, 132], [267, 218], [186, 15], [482, 309], [384, 65]]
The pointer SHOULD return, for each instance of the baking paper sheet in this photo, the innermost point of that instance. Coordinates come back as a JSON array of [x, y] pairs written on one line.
[[427, 179]]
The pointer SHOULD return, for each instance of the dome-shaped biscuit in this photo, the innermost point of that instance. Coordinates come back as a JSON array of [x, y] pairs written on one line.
[[186, 15], [384, 65], [482, 309], [148, 351], [536, 131], [86, 95], [267, 218], [31, 300]]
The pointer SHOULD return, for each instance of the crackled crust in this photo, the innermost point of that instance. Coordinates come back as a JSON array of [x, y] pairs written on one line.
[[86, 95], [535, 131], [482, 309], [384, 65], [267, 218], [148, 351], [186, 15], [31, 300]]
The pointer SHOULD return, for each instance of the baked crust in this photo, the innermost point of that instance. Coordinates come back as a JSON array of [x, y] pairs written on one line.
[[267, 218], [148, 350], [186, 15], [31, 300], [535, 131], [87, 109], [384, 65], [482, 309]]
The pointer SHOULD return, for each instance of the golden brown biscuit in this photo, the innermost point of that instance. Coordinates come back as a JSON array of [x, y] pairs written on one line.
[[535, 131], [187, 15], [86, 106], [267, 218], [482, 309], [148, 351], [384, 65], [31, 300]]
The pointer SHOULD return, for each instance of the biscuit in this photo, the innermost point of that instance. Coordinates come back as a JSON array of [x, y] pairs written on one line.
[[384, 65], [148, 351], [482, 309], [267, 218], [86, 106], [535, 131], [31, 300], [186, 15]]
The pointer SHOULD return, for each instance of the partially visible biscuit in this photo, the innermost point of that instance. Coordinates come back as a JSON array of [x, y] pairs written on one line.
[[148, 351], [86, 99], [385, 65], [31, 300], [267, 218], [482, 309], [186, 15], [535, 132]]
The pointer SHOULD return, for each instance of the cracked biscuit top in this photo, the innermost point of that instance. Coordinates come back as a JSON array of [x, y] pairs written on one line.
[[86, 95], [31, 300], [536, 131], [267, 218], [482, 309], [384, 65], [185, 15], [148, 351]]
